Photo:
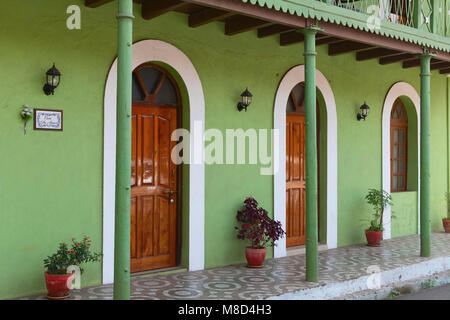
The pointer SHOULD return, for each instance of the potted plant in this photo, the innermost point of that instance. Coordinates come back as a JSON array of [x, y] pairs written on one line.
[[57, 280], [446, 221], [256, 226], [379, 200]]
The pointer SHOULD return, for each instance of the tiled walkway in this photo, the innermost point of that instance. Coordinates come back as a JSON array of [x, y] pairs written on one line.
[[278, 276]]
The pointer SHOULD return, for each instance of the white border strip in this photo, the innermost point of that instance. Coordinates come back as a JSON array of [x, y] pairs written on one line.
[[289, 81], [337, 289], [397, 90], [145, 51]]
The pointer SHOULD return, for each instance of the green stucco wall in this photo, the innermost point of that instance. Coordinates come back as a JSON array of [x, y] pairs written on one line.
[[404, 212], [51, 182]]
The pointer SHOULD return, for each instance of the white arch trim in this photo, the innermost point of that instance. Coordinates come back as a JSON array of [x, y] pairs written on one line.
[[289, 81], [397, 90], [145, 51]]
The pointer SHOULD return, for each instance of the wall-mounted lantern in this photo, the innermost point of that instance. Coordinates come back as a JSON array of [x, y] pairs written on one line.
[[53, 79], [364, 112], [246, 100]]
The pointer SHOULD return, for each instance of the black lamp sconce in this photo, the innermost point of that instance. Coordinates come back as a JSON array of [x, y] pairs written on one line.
[[53, 77], [246, 100], [364, 112]]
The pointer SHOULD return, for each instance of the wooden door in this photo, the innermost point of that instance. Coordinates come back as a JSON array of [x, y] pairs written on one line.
[[153, 188], [295, 180]]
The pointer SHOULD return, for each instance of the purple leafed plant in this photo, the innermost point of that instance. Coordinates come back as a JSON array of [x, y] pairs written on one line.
[[256, 226]]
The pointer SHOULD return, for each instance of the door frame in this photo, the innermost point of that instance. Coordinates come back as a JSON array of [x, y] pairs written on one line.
[[289, 81], [179, 170], [157, 51]]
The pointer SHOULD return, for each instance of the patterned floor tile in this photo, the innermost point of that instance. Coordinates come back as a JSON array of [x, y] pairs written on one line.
[[278, 276]]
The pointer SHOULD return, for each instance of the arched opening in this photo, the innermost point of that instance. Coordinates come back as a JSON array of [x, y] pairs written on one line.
[[180, 67], [295, 168], [327, 140], [400, 158], [156, 181]]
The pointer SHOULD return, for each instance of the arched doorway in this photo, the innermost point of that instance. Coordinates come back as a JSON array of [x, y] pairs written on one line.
[[193, 237], [329, 226], [295, 166], [155, 179]]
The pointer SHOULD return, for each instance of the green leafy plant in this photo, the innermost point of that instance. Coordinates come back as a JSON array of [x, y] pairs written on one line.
[[394, 294], [379, 200], [78, 254], [427, 284]]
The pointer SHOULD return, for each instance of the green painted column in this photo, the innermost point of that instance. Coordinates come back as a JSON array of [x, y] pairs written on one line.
[[312, 245], [448, 134], [123, 151], [435, 15], [417, 13], [425, 174]]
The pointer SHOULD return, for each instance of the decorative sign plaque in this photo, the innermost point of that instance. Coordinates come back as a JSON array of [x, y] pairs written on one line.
[[45, 119]]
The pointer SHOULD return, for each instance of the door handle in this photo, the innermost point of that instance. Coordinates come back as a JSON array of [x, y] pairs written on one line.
[[170, 193]]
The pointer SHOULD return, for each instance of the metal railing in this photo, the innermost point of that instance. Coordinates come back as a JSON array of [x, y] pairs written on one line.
[[428, 15]]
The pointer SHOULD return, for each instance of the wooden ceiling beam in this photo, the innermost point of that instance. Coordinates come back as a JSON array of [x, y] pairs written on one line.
[[440, 65], [95, 3], [292, 37], [375, 53], [399, 58], [152, 9], [346, 47], [444, 71], [328, 40], [416, 62], [238, 24], [272, 30], [206, 16]]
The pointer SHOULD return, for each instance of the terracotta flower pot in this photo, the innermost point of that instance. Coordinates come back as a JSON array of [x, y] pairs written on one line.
[[58, 285], [255, 257], [374, 238], [446, 223]]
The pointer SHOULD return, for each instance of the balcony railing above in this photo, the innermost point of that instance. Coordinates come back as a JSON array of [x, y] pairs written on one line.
[[426, 15]]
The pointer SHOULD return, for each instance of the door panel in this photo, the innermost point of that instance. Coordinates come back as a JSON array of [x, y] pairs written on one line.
[[295, 180], [154, 179], [148, 149], [164, 151]]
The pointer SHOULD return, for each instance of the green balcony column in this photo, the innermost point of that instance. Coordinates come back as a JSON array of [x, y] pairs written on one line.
[[312, 245], [425, 170], [123, 151], [417, 7], [448, 134], [435, 15]]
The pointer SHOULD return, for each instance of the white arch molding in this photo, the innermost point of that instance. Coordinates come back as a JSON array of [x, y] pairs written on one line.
[[146, 51], [399, 89], [293, 77]]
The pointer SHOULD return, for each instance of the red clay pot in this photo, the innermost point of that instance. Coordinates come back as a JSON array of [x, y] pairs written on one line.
[[255, 257], [58, 285], [374, 238], [446, 223]]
